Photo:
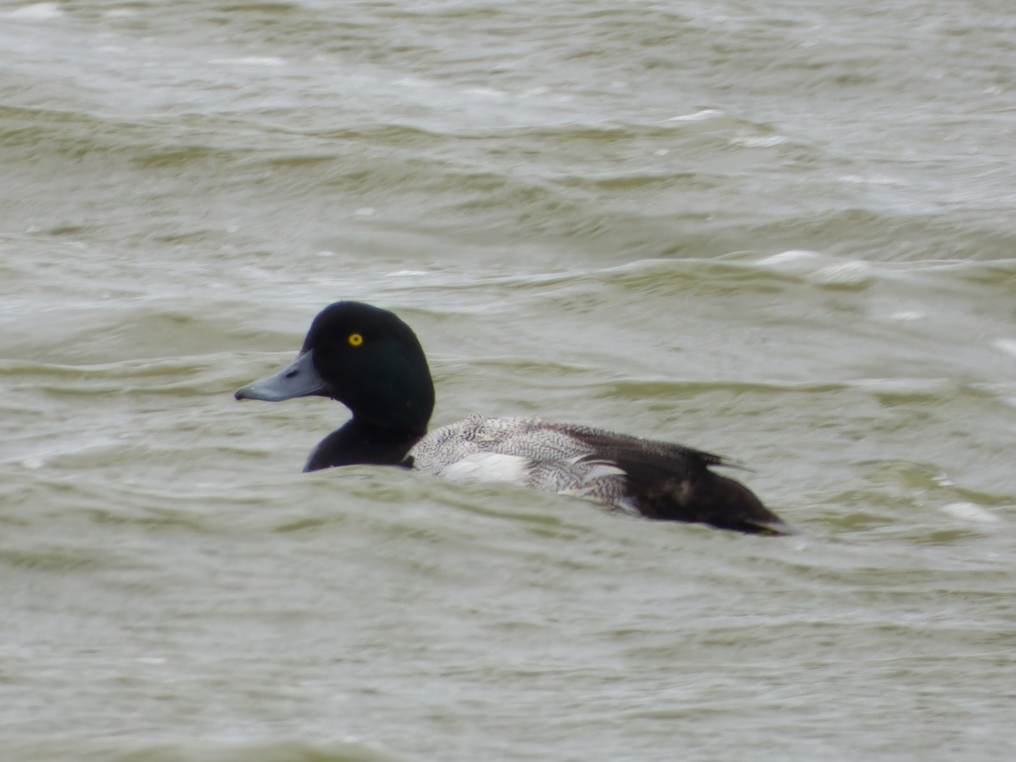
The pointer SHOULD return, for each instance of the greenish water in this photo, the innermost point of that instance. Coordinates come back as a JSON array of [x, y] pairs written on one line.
[[783, 232]]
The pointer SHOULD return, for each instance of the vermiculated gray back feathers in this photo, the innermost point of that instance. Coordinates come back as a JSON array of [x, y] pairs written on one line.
[[656, 479], [575, 460]]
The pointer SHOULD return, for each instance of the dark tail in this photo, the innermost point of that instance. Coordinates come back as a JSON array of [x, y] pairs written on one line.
[[699, 496]]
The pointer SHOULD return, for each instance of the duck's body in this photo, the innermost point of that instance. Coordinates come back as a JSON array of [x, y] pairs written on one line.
[[372, 362], [525, 451]]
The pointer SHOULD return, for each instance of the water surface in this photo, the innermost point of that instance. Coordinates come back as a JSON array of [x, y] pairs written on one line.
[[781, 231]]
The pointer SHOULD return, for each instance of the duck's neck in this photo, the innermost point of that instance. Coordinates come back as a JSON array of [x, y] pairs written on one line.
[[360, 442]]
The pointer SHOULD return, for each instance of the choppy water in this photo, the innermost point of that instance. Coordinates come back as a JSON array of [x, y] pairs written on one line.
[[781, 231]]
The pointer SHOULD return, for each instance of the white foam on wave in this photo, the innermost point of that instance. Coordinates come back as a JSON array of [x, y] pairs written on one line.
[[1004, 392], [698, 116], [900, 385], [798, 262], [792, 256], [970, 512], [858, 180], [251, 61], [38, 12], [820, 269], [852, 273], [412, 82], [908, 316], [488, 92], [1005, 345], [767, 142]]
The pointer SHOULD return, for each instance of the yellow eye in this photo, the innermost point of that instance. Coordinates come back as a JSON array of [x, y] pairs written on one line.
[[355, 339]]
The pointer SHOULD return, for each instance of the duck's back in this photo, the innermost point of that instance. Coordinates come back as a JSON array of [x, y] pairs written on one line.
[[526, 451], [656, 479]]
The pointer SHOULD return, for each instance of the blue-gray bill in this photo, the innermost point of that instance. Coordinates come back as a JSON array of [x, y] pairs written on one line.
[[298, 379]]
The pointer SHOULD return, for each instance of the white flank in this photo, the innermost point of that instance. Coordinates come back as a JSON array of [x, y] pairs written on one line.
[[602, 469], [487, 467]]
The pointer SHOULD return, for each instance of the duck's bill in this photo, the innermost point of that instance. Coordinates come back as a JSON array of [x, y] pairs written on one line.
[[298, 379]]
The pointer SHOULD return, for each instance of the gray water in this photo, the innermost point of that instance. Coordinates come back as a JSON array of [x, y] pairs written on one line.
[[780, 231]]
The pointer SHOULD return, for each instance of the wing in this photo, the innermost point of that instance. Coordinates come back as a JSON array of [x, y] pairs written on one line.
[[674, 483]]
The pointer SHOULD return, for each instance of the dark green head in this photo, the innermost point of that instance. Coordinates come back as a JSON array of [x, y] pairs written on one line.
[[364, 357]]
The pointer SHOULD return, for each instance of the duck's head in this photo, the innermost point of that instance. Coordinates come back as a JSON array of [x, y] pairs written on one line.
[[364, 357]]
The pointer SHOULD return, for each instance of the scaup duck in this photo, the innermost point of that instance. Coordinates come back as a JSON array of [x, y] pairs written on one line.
[[372, 362]]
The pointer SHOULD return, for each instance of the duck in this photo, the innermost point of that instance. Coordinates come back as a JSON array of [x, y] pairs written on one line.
[[372, 362]]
